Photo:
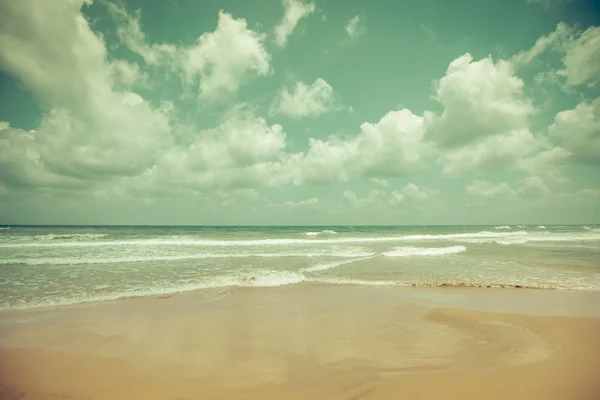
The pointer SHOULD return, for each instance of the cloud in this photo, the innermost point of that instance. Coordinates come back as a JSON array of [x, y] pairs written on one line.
[[302, 203], [410, 197], [495, 153], [480, 99], [294, 11], [130, 32], [221, 61], [580, 50], [533, 187], [380, 182], [579, 130], [305, 100], [127, 74], [412, 194], [485, 123], [489, 190], [108, 130], [391, 147], [355, 28], [226, 58]]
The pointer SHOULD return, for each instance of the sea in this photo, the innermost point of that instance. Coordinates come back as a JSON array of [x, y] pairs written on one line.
[[49, 266]]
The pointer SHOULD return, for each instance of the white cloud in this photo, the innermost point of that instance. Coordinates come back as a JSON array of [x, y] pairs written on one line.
[[489, 190], [225, 59], [294, 11], [130, 33], [533, 187], [494, 153], [412, 194], [480, 99], [580, 49], [376, 198], [579, 130], [485, 122], [391, 147], [355, 28], [302, 203], [127, 74], [221, 61], [305, 100], [380, 182], [50, 47]]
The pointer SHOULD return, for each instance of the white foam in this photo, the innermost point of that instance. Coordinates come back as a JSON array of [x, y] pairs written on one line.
[[187, 241], [255, 278], [541, 227], [424, 251], [502, 227], [349, 253], [325, 232], [326, 266]]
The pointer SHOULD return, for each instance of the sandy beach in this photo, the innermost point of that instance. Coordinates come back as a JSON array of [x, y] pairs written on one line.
[[309, 341]]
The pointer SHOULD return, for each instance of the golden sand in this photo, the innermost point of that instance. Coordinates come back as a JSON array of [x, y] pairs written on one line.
[[299, 342]]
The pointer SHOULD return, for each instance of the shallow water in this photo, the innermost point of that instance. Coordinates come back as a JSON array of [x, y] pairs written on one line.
[[46, 266]]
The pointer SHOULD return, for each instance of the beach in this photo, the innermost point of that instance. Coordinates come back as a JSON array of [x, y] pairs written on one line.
[[452, 312], [309, 341]]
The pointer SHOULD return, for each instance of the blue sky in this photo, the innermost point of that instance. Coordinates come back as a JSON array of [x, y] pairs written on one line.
[[299, 112]]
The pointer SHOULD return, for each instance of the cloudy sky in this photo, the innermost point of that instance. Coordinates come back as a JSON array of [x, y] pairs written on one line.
[[299, 112]]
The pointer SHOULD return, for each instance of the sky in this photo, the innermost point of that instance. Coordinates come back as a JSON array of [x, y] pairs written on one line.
[[297, 112]]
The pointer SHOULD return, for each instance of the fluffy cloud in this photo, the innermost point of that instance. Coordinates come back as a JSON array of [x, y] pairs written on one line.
[[221, 60], [579, 130], [489, 190], [485, 122], [391, 147], [480, 99], [294, 11], [380, 182], [305, 100], [226, 58], [409, 196], [580, 50], [355, 28], [109, 131], [412, 193], [494, 153], [531, 188], [130, 33]]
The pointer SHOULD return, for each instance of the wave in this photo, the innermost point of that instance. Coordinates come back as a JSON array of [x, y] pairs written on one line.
[[54, 236], [261, 278], [326, 266], [350, 253], [424, 251], [325, 232], [541, 227], [191, 241], [501, 237], [502, 227]]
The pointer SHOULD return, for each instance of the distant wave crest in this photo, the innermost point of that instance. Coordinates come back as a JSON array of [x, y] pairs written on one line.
[[320, 233], [424, 251]]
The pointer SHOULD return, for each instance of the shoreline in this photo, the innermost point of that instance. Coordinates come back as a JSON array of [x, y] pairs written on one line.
[[325, 282]]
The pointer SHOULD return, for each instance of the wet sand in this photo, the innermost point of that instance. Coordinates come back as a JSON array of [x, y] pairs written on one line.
[[309, 342]]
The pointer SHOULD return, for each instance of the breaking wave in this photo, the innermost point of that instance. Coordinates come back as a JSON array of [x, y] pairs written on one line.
[[325, 232], [347, 253], [424, 251], [259, 278]]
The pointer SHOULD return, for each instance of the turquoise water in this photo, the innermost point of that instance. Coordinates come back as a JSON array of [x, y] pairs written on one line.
[[50, 266]]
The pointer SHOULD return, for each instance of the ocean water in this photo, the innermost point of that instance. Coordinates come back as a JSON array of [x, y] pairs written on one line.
[[53, 266]]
